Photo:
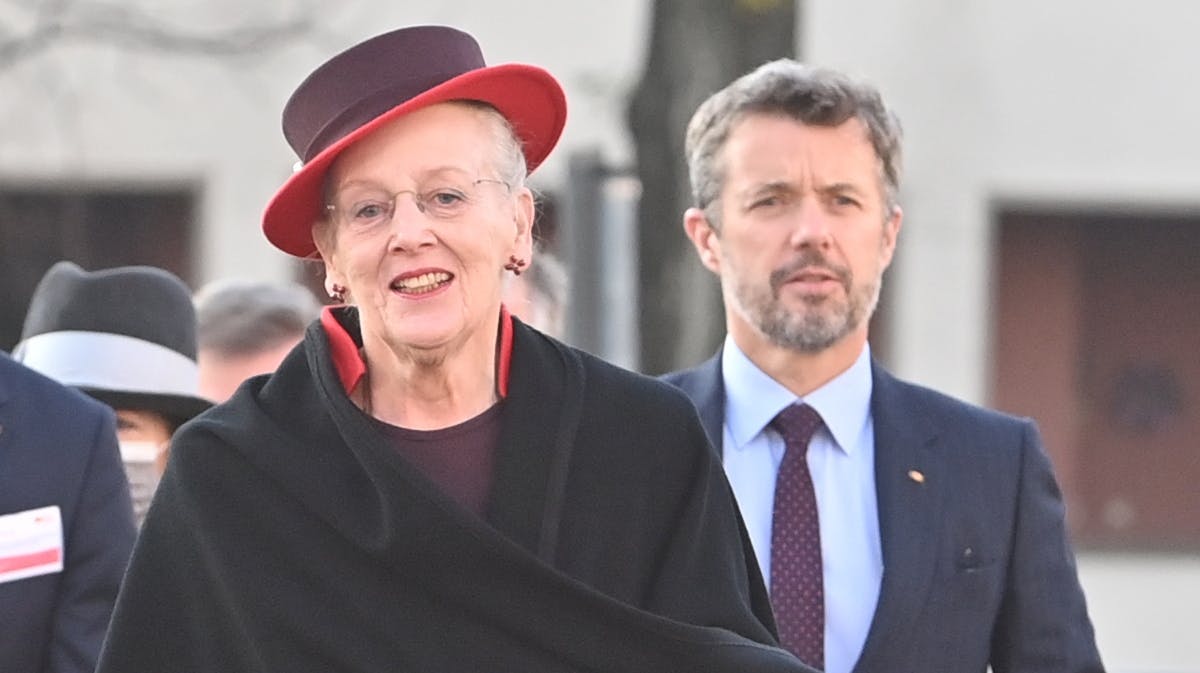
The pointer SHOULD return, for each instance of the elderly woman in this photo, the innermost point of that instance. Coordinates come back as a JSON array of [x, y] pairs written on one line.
[[425, 483]]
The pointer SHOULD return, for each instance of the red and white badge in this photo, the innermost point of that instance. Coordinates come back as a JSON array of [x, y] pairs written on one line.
[[31, 543]]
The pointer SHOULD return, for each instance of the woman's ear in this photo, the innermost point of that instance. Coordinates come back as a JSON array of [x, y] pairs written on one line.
[[523, 214], [335, 282]]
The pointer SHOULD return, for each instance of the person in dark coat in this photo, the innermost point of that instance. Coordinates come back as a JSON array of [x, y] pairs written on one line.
[[66, 523], [426, 483]]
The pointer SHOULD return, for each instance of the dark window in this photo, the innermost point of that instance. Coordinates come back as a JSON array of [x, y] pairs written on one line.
[[95, 227], [1096, 330]]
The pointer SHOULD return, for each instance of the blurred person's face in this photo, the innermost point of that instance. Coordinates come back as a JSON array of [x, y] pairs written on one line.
[[220, 375], [145, 434], [804, 234], [141, 425], [422, 229]]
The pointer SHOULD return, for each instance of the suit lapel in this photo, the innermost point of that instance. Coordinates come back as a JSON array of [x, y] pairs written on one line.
[[706, 386], [908, 482]]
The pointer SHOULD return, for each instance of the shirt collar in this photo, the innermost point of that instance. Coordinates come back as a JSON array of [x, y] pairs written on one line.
[[752, 399], [344, 343]]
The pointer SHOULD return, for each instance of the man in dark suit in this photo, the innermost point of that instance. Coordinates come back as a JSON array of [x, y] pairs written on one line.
[[66, 524], [939, 525]]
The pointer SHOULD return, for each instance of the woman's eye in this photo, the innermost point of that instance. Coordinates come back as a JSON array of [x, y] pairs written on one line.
[[369, 211], [447, 197]]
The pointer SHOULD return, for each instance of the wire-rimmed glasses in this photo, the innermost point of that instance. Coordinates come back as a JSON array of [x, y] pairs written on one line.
[[443, 199]]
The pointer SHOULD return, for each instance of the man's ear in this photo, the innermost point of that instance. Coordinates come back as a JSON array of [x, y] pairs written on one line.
[[704, 237], [891, 234]]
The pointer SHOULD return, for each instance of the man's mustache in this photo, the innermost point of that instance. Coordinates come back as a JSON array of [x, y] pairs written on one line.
[[811, 260]]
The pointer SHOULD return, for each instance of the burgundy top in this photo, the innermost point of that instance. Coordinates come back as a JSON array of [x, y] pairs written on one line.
[[458, 458]]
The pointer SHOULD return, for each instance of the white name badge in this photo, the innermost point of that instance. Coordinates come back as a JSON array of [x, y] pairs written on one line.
[[31, 543]]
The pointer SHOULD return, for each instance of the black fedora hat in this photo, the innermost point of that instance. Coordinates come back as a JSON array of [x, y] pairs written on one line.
[[126, 336], [383, 78]]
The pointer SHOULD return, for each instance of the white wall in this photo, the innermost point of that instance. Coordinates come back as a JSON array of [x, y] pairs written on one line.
[[1144, 610], [82, 112], [1069, 101]]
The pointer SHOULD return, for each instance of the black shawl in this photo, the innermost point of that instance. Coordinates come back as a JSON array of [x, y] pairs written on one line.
[[288, 536]]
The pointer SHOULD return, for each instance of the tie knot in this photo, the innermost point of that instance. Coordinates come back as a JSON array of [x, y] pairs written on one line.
[[796, 424]]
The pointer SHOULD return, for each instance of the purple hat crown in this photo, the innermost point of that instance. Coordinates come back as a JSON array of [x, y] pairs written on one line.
[[372, 77]]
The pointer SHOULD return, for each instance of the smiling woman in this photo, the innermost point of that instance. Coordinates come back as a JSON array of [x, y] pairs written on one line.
[[426, 483], [426, 272]]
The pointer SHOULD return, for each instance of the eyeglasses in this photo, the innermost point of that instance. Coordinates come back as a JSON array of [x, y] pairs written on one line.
[[442, 199]]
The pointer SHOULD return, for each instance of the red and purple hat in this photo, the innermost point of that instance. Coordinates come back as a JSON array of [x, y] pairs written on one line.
[[383, 78]]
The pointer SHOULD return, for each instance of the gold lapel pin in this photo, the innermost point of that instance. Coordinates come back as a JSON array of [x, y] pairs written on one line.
[[916, 476]]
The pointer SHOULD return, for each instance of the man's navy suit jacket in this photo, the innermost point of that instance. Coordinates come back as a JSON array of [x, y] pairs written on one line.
[[59, 447], [978, 570]]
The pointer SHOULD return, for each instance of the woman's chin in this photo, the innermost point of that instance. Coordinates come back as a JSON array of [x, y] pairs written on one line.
[[425, 333]]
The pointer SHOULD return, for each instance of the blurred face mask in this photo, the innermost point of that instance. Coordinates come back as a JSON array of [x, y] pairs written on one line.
[[142, 469]]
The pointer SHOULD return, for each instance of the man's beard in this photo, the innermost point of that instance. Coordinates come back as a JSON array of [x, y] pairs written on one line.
[[822, 322]]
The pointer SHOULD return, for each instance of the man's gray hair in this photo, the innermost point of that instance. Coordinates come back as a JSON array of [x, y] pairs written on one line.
[[237, 318], [810, 95]]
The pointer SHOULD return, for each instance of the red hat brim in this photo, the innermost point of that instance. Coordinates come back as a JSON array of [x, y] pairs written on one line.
[[528, 97]]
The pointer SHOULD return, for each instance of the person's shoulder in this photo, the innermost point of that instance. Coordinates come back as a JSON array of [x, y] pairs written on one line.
[[608, 386], [680, 377], [943, 403], [698, 381], [646, 420], [963, 423], [605, 373], [611, 391], [265, 415]]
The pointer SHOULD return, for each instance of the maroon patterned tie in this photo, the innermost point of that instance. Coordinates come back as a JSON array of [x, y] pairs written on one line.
[[797, 585]]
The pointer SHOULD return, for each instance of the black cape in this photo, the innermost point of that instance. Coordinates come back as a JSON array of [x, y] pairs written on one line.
[[287, 535]]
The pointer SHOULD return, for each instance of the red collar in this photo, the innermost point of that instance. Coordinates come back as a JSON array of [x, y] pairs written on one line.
[[350, 367]]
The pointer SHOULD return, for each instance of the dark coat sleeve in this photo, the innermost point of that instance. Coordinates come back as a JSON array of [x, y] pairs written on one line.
[[645, 469], [697, 550], [98, 543], [177, 608], [1042, 624], [59, 448]]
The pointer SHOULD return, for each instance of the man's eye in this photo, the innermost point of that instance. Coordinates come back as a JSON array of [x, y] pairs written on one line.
[[845, 201], [765, 202]]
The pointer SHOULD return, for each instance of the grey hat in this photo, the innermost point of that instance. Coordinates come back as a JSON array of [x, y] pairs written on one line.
[[126, 336]]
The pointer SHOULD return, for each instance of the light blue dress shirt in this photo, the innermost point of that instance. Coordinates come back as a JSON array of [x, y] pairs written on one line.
[[841, 458]]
